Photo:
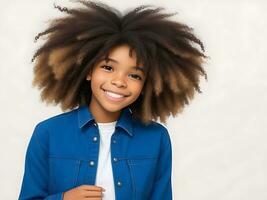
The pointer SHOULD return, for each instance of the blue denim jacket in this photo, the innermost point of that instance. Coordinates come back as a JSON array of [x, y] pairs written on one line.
[[63, 154]]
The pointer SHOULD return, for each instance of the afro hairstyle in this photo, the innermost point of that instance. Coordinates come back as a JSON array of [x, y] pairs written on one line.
[[84, 35]]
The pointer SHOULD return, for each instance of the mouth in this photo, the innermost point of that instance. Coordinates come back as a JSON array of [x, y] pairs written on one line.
[[114, 96]]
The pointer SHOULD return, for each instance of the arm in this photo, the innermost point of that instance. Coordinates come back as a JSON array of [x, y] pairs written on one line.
[[35, 178], [162, 188]]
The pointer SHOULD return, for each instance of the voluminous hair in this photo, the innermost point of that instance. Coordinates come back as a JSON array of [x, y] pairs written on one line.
[[75, 42]]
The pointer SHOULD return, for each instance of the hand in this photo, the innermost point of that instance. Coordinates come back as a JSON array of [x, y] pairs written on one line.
[[82, 192]]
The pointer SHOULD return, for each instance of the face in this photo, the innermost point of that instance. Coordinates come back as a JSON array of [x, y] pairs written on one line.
[[116, 82]]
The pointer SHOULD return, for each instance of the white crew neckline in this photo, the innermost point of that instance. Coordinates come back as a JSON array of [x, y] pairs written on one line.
[[106, 123]]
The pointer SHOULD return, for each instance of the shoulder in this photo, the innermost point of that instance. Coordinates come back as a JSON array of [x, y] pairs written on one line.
[[164, 133], [154, 126], [44, 128], [153, 130], [57, 120]]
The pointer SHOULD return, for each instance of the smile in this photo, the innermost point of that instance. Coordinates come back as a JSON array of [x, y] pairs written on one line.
[[113, 96]]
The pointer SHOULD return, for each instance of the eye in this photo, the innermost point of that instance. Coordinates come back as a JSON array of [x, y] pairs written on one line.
[[106, 67], [137, 76]]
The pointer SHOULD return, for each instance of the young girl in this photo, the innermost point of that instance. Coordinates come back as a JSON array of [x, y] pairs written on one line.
[[116, 75]]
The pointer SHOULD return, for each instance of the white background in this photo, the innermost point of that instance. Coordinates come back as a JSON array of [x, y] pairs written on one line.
[[219, 141]]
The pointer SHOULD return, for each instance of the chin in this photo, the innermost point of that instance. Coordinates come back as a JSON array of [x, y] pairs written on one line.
[[113, 108]]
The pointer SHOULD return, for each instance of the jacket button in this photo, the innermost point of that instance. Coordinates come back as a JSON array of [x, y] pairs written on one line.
[[95, 139], [91, 163], [119, 183], [115, 159], [114, 141]]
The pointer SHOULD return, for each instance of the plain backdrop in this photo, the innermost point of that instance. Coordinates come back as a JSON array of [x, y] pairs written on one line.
[[219, 141]]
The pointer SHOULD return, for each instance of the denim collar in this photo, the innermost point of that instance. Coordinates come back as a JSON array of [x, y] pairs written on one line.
[[124, 121]]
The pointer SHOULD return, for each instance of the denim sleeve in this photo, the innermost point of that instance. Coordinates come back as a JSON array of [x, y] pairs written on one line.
[[35, 179], [162, 188]]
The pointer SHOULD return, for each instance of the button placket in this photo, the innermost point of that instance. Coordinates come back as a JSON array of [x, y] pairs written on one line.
[[115, 160]]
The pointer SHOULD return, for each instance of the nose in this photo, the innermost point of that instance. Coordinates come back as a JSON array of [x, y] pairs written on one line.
[[119, 81]]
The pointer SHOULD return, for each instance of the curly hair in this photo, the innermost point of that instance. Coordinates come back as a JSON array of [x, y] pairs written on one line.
[[75, 42]]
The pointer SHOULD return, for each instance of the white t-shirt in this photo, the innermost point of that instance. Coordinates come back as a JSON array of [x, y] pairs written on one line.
[[104, 175]]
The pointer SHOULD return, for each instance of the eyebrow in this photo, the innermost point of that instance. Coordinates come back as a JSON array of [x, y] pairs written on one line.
[[107, 59]]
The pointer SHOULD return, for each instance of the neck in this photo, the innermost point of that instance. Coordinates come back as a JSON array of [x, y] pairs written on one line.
[[102, 115]]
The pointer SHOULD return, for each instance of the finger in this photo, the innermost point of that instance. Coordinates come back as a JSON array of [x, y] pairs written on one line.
[[92, 188], [93, 194]]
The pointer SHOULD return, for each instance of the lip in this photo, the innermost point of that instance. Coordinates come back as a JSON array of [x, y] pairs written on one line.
[[113, 98], [116, 92]]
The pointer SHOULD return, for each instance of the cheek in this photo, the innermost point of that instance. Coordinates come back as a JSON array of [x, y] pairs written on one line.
[[97, 80], [136, 89]]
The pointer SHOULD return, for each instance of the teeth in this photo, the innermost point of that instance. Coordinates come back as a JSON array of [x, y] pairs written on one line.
[[114, 95]]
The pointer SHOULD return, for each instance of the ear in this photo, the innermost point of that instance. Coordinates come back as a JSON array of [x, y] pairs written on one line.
[[89, 76]]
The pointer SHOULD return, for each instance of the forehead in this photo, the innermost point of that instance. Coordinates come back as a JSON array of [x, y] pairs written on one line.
[[123, 54]]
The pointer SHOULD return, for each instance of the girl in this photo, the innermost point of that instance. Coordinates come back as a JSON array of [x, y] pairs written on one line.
[[116, 75]]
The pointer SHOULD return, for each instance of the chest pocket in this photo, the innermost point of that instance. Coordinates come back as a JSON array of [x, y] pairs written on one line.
[[63, 173], [142, 172]]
